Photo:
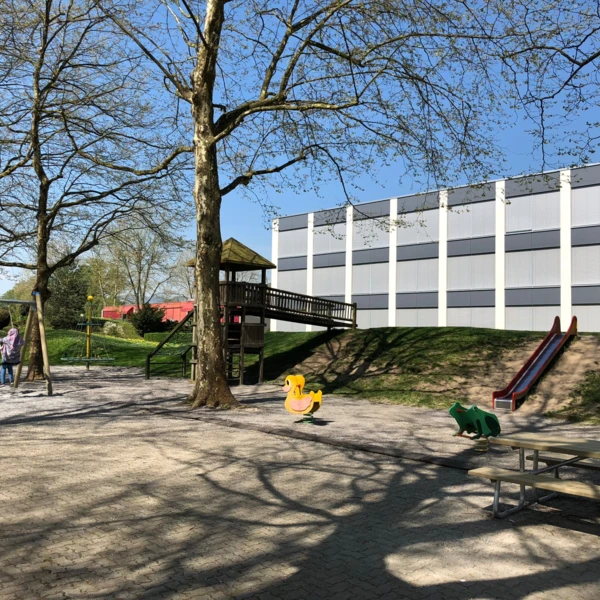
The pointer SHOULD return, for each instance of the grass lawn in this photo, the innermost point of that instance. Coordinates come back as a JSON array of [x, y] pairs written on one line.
[[126, 352]]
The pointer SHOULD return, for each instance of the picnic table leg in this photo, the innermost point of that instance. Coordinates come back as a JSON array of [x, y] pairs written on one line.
[[522, 469], [536, 454]]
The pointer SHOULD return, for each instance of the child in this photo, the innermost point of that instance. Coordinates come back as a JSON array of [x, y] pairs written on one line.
[[11, 353]]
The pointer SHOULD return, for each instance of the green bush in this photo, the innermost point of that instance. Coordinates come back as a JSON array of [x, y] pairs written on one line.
[[118, 328], [148, 319], [4, 318]]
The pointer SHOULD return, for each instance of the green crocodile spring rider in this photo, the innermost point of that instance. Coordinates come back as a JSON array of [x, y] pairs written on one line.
[[474, 420]]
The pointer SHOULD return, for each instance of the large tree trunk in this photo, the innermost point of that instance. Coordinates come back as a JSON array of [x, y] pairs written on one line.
[[211, 388], [36, 364]]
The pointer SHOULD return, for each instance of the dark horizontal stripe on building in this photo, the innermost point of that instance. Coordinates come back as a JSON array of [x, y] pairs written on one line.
[[334, 298], [370, 256], [371, 210], [418, 251], [585, 176], [547, 296], [484, 245], [585, 294], [532, 184], [473, 193], [535, 240], [330, 216], [465, 299], [294, 263], [296, 222], [417, 300], [585, 236], [370, 300], [418, 202], [333, 259]]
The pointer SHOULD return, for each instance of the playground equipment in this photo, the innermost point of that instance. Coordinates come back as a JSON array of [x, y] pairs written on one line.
[[82, 349], [513, 395], [474, 420], [245, 308], [299, 404], [35, 308]]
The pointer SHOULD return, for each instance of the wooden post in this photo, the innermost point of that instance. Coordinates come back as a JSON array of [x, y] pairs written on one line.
[[26, 338], [242, 341], [40, 318], [354, 315], [261, 365]]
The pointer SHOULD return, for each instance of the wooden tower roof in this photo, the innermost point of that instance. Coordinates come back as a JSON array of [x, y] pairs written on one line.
[[237, 257]]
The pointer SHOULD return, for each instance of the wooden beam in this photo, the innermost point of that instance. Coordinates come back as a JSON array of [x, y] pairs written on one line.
[[40, 317], [26, 338]]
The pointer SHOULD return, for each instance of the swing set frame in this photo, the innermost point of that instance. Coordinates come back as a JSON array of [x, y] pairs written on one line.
[[35, 306]]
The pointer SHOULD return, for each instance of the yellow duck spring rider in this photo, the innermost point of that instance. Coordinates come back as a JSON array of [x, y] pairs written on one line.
[[299, 403]]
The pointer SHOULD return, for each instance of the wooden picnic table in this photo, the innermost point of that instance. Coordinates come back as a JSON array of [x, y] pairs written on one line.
[[576, 452], [551, 443]]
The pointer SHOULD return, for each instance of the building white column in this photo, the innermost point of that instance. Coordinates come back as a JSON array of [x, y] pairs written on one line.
[[309, 258], [349, 236], [443, 261], [500, 256], [566, 306], [274, 260], [392, 263]]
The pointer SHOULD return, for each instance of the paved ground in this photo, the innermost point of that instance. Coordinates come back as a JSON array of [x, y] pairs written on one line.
[[101, 498]]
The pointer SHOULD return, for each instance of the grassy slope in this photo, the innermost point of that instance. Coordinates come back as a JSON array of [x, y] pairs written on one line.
[[405, 365]]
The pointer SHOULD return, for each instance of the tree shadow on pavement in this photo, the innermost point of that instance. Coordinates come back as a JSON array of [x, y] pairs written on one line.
[[172, 508]]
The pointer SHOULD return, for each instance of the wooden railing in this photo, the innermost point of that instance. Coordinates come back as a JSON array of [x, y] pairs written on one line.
[[280, 303]]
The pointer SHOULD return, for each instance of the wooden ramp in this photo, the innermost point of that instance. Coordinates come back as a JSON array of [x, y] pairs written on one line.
[[257, 300]]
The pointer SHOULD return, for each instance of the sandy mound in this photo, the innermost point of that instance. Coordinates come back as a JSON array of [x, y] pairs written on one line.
[[552, 392]]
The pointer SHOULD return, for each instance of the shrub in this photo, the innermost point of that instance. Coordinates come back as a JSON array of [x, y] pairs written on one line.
[[4, 318], [120, 329], [148, 319]]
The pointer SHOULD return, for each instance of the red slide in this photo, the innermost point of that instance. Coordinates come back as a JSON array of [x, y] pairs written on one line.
[[513, 395]]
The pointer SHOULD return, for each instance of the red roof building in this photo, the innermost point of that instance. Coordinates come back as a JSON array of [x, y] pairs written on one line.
[[174, 311]]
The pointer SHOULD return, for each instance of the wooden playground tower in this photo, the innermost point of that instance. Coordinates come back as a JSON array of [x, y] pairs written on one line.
[[245, 308]]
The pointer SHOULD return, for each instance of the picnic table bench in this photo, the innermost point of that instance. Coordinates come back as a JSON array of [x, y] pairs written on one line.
[[576, 452]]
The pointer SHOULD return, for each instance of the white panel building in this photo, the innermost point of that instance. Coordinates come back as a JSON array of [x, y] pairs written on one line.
[[510, 254]]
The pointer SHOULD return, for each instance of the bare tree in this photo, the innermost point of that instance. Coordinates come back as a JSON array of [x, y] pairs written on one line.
[[181, 283], [108, 281], [147, 257], [82, 143], [293, 93]]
